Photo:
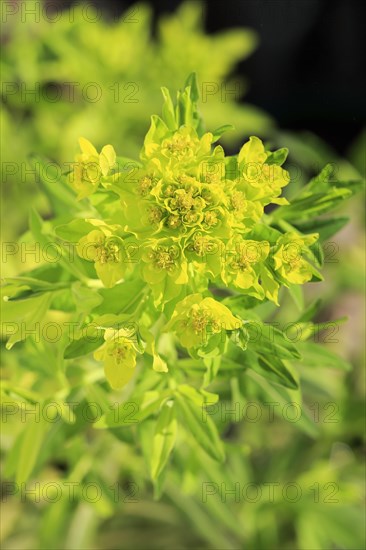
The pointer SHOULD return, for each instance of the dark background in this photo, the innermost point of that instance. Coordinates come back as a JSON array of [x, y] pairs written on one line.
[[308, 69]]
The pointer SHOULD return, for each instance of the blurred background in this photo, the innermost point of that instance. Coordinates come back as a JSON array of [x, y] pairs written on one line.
[[307, 68], [289, 72]]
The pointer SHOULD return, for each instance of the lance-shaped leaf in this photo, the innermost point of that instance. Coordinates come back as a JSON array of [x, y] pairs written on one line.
[[32, 440], [202, 430], [133, 411], [164, 438]]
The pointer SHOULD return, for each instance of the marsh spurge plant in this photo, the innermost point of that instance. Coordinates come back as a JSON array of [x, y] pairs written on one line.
[[185, 220], [177, 258]]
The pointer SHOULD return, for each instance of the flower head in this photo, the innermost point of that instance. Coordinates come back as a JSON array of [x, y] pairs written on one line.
[[118, 354], [106, 250], [91, 168], [263, 182], [164, 268], [289, 258], [242, 266], [197, 320]]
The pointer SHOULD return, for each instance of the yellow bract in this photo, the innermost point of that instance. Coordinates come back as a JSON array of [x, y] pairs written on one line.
[[196, 319], [118, 354], [90, 167]]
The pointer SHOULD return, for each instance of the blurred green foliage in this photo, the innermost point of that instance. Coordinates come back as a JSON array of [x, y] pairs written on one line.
[[102, 79]]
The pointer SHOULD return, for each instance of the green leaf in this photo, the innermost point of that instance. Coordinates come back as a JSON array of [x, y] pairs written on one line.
[[204, 432], [22, 317], [274, 369], [193, 84], [277, 157], [241, 338], [316, 355], [74, 230], [17, 288], [272, 341], [326, 228], [310, 312], [168, 113], [158, 129], [267, 362], [13, 456], [264, 232], [124, 297], [36, 225], [38, 228], [199, 397], [164, 438], [212, 366], [312, 205], [322, 194], [125, 163], [29, 449], [184, 109], [85, 298], [283, 397], [323, 180], [54, 185], [317, 257], [297, 294], [84, 345], [327, 180], [134, 411], [221, 130]]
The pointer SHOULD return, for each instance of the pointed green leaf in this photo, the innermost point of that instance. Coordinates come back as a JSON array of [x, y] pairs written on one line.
[[203, 431], [30, 447], [164, 438]]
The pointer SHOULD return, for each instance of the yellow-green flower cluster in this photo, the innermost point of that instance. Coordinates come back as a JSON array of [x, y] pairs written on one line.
[[184, 186], [202, 322], [193, 212], [196, 218]]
